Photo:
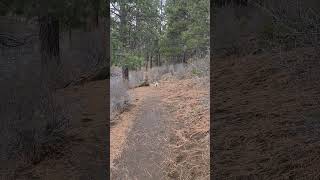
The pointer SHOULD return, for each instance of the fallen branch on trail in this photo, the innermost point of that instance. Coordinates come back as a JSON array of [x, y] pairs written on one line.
[[145, 83]]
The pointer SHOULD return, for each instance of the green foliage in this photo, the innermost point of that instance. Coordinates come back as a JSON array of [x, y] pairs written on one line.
[[128, 60], [196, 72], [133, 61], [187, 27], [141, 33], [151, 29], [197, 34], [177, 22]]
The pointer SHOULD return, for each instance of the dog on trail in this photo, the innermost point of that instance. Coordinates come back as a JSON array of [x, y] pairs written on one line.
[[156, 84]]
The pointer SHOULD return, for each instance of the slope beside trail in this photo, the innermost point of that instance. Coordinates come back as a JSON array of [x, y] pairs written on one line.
[[266, 116], [84, 152]]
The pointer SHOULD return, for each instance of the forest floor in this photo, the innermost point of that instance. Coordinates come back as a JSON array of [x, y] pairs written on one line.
[[163, 134], [83, 155], [267, 116], [151, 140]]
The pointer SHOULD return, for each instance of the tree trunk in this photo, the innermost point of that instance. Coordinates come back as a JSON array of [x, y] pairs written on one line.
[[123, 34], [49, 41], [151, 61], [125, 73], [106, 44], [70, 37], [95, 6], [97, 18], [147, 62], [159, 59], [145, 75]]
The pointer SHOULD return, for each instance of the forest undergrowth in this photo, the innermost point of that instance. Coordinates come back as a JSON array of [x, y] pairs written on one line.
[[184, 90]]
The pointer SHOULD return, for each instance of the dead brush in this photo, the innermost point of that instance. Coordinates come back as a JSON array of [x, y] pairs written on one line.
[[191, 158], [189, 152], [119, 97], [199, 66], [135, 78]]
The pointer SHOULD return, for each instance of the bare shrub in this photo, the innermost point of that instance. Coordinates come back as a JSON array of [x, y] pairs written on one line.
[[119, 97], [199, 70], [135, 78], [180, 70], [157, 72]]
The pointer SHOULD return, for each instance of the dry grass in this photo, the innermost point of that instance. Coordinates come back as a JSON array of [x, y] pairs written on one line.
[[266, 122], [189, 140]]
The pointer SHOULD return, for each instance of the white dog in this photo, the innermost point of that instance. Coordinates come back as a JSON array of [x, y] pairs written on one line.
[[156, 84]]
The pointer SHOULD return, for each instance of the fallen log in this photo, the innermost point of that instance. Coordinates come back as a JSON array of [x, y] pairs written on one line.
[[145, 83]]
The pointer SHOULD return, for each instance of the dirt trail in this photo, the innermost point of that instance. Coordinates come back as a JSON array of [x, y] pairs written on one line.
[[145, 150]]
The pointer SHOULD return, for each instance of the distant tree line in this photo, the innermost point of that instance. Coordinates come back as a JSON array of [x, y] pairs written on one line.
[[147, 33]]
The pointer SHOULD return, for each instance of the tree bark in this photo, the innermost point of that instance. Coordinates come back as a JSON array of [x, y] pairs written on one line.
[[49, 40], [123, 35], [151, 61], [147, 62], [97, 18], [125, 73], [158, 59], [95, 6], [70, 37]]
